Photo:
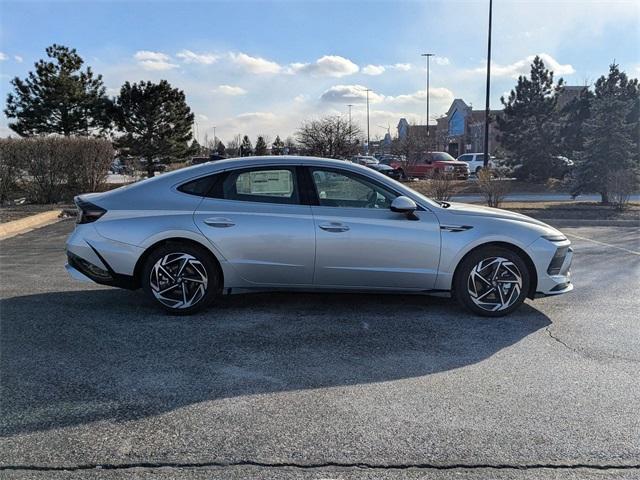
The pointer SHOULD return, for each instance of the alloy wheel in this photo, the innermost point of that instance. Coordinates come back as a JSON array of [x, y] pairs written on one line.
[[494, 284], [178, 280]]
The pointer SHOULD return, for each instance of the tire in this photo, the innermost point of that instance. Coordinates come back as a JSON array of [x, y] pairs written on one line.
[[193, 272], [478, 170], [492, 281]]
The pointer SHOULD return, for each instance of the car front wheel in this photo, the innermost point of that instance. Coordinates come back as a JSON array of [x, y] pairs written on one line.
[[181, 278], [492, 282]]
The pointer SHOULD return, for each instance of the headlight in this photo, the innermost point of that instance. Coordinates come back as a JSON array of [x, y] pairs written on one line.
[[448, 168], [555, 238]]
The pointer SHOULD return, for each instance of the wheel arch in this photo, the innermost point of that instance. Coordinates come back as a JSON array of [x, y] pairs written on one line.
[[533, 273], [137, 271]]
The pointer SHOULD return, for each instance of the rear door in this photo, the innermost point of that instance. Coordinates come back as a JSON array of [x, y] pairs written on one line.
[[360, 242], [254, 217]]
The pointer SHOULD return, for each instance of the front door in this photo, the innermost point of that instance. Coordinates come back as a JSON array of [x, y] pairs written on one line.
[[255, 219], [360, 242]]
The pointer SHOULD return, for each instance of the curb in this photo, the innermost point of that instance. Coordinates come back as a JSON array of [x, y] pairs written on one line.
[[24, 225]]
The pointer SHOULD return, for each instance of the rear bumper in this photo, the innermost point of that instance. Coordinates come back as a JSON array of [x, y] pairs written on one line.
[[107, 262]]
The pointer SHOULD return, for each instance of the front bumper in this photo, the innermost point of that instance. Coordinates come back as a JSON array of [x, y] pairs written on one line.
[[543, 254]]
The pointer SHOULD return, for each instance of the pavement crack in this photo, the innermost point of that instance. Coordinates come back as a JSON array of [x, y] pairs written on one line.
[[322, 465], [587, 354]]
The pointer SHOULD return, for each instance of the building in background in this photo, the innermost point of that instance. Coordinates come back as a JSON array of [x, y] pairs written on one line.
[[461, 129]]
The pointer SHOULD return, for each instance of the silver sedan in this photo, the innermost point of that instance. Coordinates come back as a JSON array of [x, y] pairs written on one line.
[[303, 223]]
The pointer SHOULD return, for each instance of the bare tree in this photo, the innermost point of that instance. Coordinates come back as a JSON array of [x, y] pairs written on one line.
[[330, 136], [233, 146]]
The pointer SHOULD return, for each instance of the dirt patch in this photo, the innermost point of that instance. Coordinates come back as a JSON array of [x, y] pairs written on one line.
[[16, 212], [575, 210]]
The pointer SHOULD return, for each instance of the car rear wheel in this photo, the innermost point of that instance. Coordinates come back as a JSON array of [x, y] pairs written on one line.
[[181, 278], [492, 281]]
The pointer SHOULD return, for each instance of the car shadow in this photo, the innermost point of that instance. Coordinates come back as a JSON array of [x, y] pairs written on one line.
[[75, 357]]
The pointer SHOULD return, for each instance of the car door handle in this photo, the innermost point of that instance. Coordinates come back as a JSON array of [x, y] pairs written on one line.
[[334, 227], [219, 222]]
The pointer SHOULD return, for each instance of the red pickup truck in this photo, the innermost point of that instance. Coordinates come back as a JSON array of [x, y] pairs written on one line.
[[430, 163]]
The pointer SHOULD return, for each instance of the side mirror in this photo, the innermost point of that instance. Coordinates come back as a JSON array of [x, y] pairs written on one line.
[[405, 205]]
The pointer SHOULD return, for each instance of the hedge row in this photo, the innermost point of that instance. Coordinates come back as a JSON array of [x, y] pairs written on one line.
[[51, 169]]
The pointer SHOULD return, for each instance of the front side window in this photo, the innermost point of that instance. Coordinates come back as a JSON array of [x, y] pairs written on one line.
[[277, 185], [343, 189]]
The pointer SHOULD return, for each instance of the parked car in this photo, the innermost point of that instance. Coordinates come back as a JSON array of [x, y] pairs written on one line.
[[431, 163], [378, 166], [304, 223], [476, 161]]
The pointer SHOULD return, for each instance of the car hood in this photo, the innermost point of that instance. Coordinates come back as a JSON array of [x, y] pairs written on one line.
[[481, 211], [450, 162]]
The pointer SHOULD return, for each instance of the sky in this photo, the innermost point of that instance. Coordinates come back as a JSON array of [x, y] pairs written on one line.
[[263, 67]]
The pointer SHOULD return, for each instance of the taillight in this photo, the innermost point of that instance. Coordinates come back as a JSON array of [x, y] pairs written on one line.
[[88, 212]]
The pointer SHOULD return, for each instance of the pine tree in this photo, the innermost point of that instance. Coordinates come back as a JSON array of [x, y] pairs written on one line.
[[221, 149], [261, 146], [59, 97], [278, 146], [611, 134], [528, 124], [572, 123], [246, 149], [155, 120]]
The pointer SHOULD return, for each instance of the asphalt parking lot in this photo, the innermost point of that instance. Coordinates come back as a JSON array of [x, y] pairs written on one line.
[[97, 383]]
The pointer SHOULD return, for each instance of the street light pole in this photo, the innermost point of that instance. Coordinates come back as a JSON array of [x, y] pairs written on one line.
[[486, 108], [350, 136], [368, 138], [427, 57]]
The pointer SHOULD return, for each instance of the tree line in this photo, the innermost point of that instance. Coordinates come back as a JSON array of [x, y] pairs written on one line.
[[598, 130]]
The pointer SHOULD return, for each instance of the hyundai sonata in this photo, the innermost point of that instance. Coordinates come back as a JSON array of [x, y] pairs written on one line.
[[303, 223]]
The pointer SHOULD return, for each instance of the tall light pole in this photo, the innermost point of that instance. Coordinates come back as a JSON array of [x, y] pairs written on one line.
[[427, 57], [350, 105], [368, 138], [486, 108]]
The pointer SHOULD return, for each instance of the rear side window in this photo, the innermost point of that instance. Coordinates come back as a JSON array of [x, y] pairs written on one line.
[[199, 187], [274, 185]]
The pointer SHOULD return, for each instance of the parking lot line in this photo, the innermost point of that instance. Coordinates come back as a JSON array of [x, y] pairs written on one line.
[[602, 243]]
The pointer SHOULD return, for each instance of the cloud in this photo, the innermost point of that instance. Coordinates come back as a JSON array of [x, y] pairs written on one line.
[[442, 61], [252, 116], [300, 98], [523, 67], [329, 65], [188, 56], [255, 65], [155, 61], [349, 94], [18, 58], [202, 117], [380, 69], [230, 90], [402, 67], [435, 93], [3, 56], [373, 70]]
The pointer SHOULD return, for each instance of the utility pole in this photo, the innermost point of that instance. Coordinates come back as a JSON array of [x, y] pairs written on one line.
[[215, 145], [486, 108]]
